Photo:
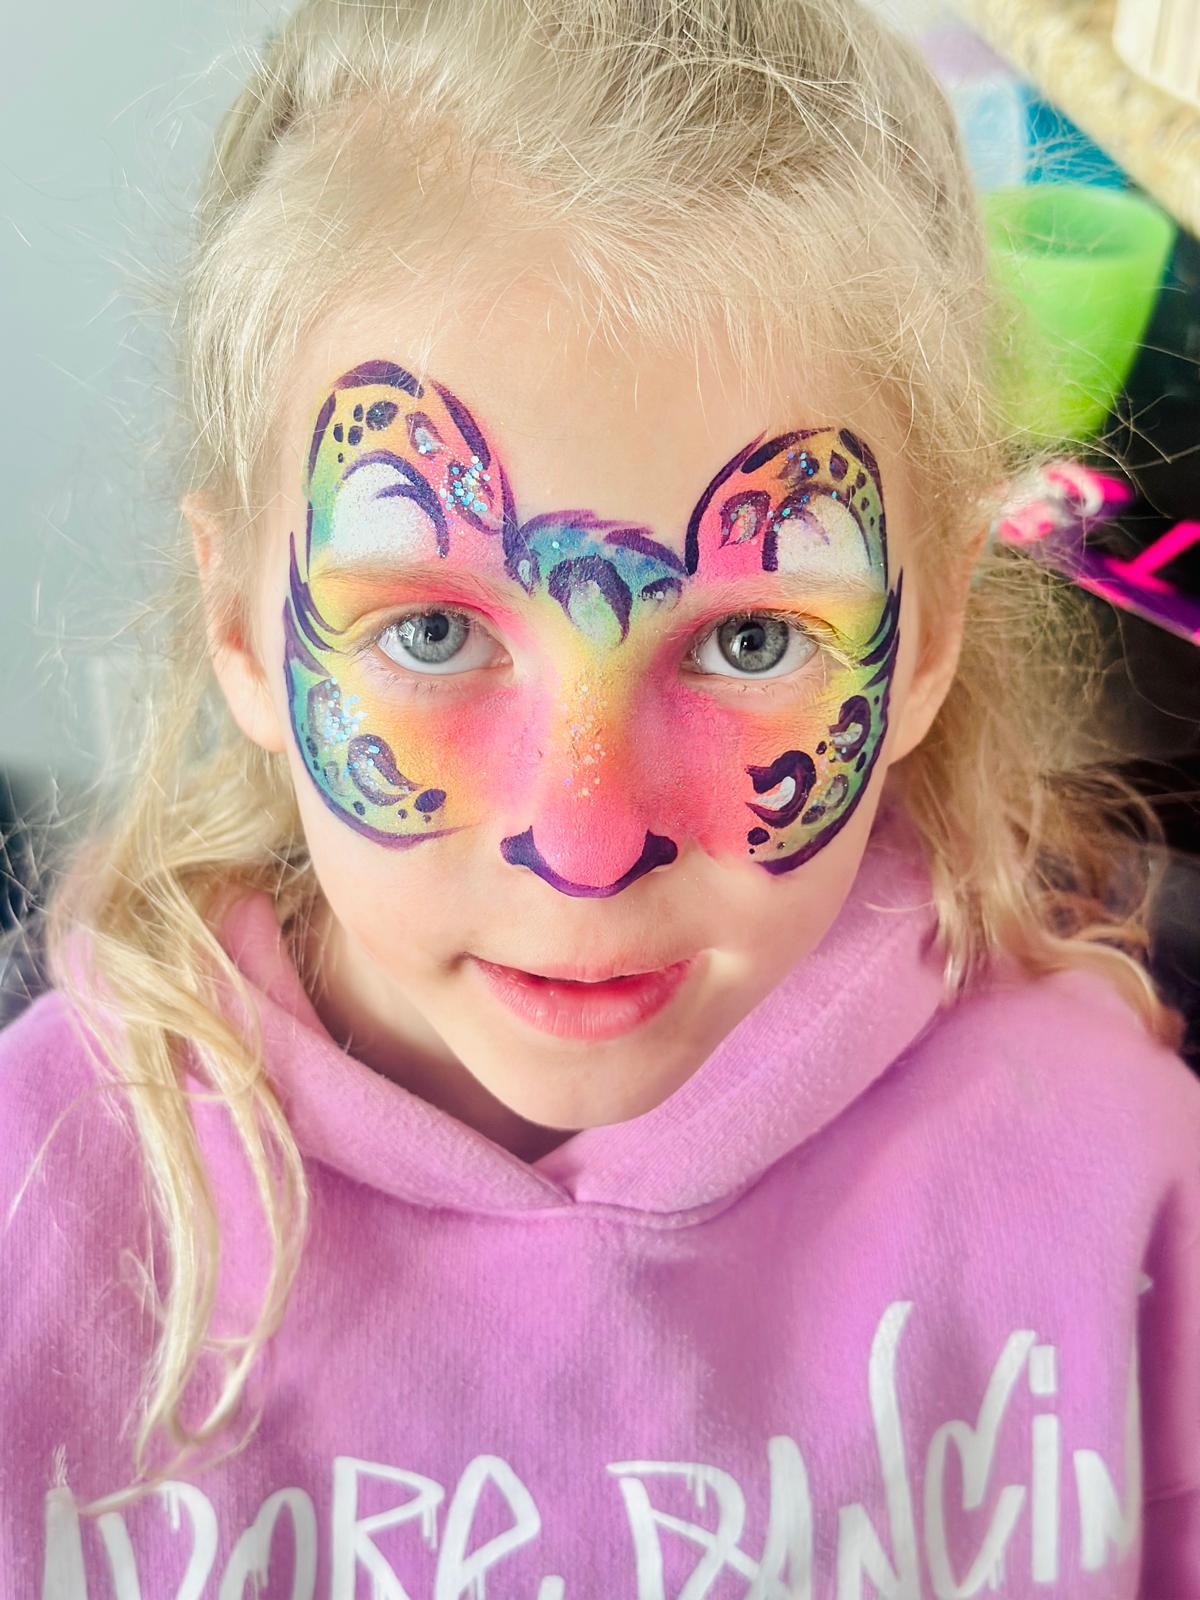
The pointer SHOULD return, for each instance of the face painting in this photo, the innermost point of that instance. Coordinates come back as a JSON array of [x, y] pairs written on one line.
[[660, 716]]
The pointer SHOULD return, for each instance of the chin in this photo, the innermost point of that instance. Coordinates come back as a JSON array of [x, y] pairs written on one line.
[[568, 1089]]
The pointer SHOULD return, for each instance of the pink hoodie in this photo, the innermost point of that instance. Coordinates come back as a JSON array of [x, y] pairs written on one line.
[[887, 1300]]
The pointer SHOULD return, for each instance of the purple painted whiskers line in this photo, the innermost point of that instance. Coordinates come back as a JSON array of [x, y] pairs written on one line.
[[520, 851], [304, 608]]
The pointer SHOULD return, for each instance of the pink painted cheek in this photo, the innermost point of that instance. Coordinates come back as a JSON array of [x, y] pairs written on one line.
[[443, 747], [486, 751], [697, 744], [715, 742], [594, 774]]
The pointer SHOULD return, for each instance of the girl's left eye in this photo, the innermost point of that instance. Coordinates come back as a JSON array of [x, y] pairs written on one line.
[[754, 644], [436, 643]]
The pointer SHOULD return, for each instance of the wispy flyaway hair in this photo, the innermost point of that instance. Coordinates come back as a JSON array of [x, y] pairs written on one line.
[[784, 171]]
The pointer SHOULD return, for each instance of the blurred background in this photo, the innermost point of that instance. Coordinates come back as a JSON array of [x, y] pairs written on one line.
[[1082, 124], [101, 149]]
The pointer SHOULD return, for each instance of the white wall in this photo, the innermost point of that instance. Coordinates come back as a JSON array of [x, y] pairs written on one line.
[[105, 114]]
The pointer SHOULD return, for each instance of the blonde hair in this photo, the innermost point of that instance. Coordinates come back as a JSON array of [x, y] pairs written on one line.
[[799, 170]]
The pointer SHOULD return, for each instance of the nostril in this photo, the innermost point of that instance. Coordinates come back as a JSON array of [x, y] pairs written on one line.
[[519, 850]]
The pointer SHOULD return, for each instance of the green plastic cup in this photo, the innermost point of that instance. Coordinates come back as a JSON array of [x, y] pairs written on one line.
[[1084, 265]]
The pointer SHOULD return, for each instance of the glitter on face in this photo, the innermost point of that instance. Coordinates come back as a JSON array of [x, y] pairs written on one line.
[[400, 473]]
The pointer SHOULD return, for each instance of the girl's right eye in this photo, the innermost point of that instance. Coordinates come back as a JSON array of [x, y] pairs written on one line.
[[432, 643]]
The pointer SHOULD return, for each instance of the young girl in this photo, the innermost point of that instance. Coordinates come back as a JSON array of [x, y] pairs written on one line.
[[605, 1051]]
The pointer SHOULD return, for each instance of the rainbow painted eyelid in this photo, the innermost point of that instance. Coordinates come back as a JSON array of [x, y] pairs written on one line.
[[832, 649], [417, 683]]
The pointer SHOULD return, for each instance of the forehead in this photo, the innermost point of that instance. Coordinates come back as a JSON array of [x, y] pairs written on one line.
[[401, 476], [627, 428]]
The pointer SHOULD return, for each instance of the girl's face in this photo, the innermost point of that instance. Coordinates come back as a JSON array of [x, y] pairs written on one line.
[[583, 668]]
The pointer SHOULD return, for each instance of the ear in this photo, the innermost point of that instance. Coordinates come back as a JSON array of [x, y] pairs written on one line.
[[940, 646], [238, 670]]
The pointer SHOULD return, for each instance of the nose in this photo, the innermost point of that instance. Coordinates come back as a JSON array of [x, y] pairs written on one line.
[[592, 803], [521, 850]]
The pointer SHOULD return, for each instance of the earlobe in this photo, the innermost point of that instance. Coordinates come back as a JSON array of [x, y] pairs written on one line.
[[237, 668]]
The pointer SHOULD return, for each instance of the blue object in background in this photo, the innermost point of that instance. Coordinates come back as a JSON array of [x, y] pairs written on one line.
[[1058, 150], [991, 113], [989, 101], [1010, 134]]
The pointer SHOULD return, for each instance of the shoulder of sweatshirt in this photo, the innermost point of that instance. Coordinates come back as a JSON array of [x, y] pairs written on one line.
[[77, 1263], [1067, 1050], [58, 1110]]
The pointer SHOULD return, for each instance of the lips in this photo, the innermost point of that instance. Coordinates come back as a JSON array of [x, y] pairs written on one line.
[[611, 973], [589, 1010]]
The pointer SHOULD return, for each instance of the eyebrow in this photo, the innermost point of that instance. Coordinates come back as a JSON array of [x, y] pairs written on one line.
[[471, 584]]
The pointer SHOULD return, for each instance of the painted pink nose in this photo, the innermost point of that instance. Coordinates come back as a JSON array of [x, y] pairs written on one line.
[[522, 850], [590, 845], [594, 794]]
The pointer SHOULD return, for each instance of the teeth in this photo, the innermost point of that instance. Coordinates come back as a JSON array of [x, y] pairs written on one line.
[[584, 983], [587, 983], [778, 797]]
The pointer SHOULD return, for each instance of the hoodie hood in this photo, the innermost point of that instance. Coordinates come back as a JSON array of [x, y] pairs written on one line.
[[809, 1048]]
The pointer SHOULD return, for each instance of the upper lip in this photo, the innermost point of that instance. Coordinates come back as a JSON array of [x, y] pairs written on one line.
[[596, 974]]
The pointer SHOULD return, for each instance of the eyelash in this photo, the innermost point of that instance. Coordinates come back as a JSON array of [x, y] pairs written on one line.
[[826, 638], [822, 635], [369, 651]]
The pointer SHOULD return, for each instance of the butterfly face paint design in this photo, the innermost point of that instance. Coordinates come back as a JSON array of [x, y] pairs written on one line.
[[620, 759]]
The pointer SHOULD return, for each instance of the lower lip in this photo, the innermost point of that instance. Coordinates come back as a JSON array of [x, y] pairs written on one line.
[[583, 1010]]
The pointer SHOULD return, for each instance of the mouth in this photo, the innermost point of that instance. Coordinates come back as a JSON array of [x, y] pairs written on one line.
[[586, 976], [602, 1004]]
